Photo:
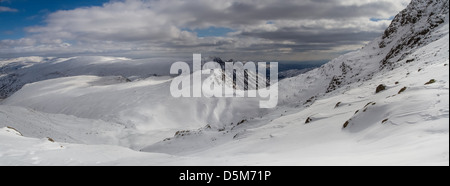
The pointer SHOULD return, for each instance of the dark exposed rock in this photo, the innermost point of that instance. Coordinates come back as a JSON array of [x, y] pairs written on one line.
[[430, 82], [308, 120], [380, 88], [346, 124], [402, 90], [415, 14], [337, 104]]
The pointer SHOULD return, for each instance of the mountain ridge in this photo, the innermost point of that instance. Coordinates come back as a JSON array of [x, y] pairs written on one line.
[[332, 115]]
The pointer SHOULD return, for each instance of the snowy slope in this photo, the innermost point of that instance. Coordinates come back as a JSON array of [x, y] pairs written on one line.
[[351, 80], [421, 23], [385, 128], [18, 150], [328, 116], [14, 73], [145, 108]]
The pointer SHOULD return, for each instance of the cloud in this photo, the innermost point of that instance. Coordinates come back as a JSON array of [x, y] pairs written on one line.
[[7, 9], [259, 27]]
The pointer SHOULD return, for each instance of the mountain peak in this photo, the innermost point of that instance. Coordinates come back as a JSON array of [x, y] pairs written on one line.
[[420, 24], [411, 28]]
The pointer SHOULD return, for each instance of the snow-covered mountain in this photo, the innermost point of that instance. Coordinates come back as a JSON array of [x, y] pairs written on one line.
[[420, 24], [14, 73], [385, 104]]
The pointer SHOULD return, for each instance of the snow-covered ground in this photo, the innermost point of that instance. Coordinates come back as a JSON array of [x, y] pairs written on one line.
[[14, 73], [331, 115]]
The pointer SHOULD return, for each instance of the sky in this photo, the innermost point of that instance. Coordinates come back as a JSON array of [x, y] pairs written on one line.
[[269, 30]]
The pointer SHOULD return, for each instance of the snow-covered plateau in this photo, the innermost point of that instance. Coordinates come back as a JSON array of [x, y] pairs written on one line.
[[385, 104]]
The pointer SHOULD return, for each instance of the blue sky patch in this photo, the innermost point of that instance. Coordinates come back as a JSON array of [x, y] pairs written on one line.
[[33, 13], [382, 19], [212, 31]]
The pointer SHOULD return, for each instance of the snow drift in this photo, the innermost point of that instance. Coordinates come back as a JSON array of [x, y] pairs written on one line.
[[331, 115]]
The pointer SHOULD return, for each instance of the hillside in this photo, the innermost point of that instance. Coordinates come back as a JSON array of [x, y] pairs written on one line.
[[385, 104]]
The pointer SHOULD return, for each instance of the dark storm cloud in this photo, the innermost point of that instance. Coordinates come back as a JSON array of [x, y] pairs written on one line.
[[324, 37], [257, 26], [243, 13]]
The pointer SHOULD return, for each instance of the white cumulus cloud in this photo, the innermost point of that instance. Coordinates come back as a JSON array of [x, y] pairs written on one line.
[[260, 27]]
